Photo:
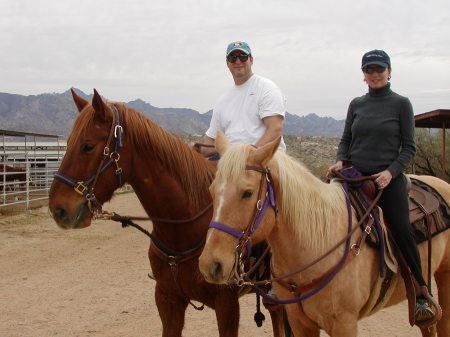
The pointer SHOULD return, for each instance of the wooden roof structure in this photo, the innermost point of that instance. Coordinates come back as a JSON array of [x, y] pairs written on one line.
[[435, 119]]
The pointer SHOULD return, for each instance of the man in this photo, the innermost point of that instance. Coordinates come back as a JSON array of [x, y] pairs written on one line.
[[252, 111]]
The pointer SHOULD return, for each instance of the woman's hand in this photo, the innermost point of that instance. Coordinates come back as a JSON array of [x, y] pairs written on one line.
[[333, 168], [383, 179]]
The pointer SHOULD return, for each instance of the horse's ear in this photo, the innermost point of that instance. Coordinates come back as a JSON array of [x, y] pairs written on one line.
[[79, 102], [263, 154], [101, 109], [221, 143]]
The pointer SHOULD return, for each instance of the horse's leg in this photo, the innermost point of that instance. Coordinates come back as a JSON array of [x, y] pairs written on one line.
[[227, 313], [346, 326], [443, 284], [280, 323], [171, 311], [276, 316], [300, 324]]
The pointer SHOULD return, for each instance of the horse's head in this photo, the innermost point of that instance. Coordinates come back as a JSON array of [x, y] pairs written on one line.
[[244, 206], [90, 169]]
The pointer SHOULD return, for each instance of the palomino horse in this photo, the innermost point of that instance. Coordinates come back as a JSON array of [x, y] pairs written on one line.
[[171, 181], [312, 217]]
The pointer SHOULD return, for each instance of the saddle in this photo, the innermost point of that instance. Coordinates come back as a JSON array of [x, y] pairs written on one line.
[[424, 205]]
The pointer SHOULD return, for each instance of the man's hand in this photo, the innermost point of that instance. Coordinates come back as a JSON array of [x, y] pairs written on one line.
[[196, 147], [206, 148]]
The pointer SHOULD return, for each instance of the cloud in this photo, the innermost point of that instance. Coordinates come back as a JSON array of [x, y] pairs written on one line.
[[171, 53]]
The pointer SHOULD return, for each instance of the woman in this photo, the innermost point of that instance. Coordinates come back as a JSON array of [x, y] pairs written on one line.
[[378, 140]]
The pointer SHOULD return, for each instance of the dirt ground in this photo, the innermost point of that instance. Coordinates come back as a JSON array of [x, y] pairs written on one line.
[[93, 282]]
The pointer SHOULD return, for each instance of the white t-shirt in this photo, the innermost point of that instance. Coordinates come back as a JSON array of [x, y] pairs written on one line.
[[239, 112]]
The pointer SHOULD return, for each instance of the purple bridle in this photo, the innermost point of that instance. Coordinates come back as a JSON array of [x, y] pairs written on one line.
[[82, 187], [260, 210]]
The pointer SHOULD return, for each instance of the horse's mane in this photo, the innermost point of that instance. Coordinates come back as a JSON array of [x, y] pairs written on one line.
[[308, 206], [233, 162], [150, 139]]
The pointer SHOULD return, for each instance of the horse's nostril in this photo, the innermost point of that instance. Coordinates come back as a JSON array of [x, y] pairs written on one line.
[[217, 270], [60, 214]]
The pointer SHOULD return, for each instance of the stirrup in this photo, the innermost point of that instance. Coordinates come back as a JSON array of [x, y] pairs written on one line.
[[423, 311], [424, 314]]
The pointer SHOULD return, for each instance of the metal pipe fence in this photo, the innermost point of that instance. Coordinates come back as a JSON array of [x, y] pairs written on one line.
[[27, 164]]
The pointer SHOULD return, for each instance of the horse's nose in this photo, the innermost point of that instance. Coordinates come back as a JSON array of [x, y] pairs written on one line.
[[216, 272], [212, 268], [60, 214]]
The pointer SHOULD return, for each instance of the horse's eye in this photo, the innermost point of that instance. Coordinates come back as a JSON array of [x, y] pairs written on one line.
[[88, 148], [247, 194]]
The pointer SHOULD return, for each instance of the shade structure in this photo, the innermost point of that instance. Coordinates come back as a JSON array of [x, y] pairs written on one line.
[[435, 119]]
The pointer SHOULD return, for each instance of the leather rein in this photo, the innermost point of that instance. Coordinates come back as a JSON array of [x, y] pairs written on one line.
[[241, 278], [115, 141]]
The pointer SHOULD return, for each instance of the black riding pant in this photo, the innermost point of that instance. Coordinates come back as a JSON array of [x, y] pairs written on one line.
[[394, 202]]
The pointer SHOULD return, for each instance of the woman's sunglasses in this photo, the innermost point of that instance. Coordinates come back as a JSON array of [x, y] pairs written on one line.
[[378, 70], [242, 57]]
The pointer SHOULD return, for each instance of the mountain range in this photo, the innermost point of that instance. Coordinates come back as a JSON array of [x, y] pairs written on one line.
[[55, 113]]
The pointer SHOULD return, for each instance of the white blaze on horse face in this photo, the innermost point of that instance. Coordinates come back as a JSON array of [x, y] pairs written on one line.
[[220, 193]]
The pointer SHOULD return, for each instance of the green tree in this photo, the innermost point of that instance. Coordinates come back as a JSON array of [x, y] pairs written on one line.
[[429, 153]]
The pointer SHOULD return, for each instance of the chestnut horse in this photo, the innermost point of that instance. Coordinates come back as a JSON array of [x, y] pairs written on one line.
[[9, 174], [312, 217], [114, 144]]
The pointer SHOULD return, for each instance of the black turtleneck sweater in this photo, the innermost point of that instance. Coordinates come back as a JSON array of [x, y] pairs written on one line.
[[379, 132]]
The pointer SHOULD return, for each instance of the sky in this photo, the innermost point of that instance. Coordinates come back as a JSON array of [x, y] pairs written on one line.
[[171, 53]]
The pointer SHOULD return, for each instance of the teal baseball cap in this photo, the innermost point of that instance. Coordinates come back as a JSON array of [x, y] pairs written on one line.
[[238, 45]]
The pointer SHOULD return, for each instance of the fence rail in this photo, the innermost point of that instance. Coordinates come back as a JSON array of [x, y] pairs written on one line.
[[27, 164]]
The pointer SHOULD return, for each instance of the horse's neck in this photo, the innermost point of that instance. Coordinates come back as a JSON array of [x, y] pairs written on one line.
[[316, 223], [163, 196], [159, 191]]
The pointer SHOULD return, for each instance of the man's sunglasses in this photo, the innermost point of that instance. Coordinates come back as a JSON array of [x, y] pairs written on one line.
[[378, 70], [242, 57]]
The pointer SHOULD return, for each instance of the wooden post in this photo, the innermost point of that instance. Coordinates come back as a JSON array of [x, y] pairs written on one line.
[[443, 150]]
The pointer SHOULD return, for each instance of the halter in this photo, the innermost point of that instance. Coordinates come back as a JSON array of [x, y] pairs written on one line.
[[245, 236], [108, 158]]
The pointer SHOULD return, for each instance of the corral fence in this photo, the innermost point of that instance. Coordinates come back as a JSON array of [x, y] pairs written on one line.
[[27, 164]]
